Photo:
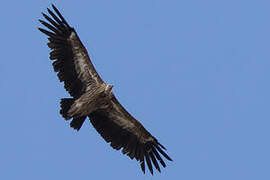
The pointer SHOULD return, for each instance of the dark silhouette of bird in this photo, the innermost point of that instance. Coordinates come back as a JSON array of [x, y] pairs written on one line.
[[91, 97]]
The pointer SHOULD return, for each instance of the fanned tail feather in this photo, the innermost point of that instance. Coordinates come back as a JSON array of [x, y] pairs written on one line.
[[77, 123]]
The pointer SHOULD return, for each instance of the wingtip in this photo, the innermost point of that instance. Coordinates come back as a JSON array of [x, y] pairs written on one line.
[[161, 146], [149, 163], [53, 6], [162, 152], [142, 166], [49, 11], [154, 161], [39, 29], [41, 21], [43, 14], [170, 159]]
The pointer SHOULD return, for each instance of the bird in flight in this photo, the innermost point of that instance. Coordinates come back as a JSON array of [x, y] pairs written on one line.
[[93, 98]]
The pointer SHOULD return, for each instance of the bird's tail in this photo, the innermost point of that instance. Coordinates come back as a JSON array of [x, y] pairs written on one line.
[[76, 122]]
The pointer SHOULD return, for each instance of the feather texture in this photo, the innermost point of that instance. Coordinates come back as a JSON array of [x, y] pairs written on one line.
[[92, 97]]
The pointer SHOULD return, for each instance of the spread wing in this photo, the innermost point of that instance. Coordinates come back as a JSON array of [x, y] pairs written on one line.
[[121, 130], [71, 59]]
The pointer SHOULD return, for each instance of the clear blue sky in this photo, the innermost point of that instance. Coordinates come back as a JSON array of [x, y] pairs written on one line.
[[195, 73]]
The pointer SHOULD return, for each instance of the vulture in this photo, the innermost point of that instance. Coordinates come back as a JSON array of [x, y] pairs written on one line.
[[91, 97]]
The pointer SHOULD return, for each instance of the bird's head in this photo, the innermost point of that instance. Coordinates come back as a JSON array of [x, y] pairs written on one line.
[[108, 89]]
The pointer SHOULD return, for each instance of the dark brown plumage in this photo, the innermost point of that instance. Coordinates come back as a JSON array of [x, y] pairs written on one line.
[[93, 98]]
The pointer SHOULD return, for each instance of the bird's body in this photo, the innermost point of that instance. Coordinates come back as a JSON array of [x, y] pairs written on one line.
[[93, 98]]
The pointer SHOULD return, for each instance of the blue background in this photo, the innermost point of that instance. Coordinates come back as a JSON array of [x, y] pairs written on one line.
[[195, 73]]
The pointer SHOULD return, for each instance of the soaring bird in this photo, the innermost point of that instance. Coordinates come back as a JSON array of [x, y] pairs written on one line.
[[93, 98]]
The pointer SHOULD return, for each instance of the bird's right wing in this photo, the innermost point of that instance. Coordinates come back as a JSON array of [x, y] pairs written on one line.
[[71, 59]]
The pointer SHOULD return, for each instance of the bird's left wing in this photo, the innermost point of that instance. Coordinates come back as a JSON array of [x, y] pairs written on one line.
[[121, 130]]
